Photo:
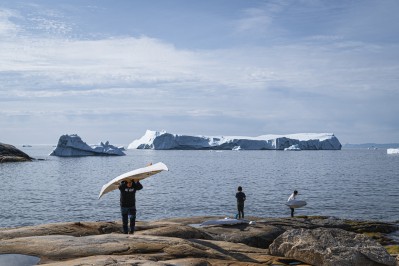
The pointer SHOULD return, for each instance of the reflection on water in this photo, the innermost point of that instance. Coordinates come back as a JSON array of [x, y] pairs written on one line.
[[18, 260], [355, 184]]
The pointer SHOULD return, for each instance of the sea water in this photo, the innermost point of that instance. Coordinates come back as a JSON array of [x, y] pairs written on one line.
[[350, 183]]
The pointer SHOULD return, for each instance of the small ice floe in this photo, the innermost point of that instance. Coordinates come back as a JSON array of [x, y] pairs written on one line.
[[393, 151]]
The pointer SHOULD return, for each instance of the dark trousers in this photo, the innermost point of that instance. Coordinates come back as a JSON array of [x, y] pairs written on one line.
[[240, 208], [292, 212], [128, 214]]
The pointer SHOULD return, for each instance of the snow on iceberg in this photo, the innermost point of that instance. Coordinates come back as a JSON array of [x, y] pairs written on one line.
[[393, 151], [294, 147], [162, 140], [72, 145]]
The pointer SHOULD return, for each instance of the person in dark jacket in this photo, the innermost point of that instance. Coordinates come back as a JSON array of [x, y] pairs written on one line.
[[128, 204], [291, 198], [240, 202]]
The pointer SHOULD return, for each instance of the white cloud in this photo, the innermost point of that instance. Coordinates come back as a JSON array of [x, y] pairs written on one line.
[[322, 64], [50, 66], [50, 26], [113, 61]]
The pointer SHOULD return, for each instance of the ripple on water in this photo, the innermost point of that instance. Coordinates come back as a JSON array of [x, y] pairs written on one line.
[[353, 184]]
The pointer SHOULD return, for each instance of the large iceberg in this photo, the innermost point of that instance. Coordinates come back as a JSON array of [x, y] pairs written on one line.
[[73, 146], [161, 140]]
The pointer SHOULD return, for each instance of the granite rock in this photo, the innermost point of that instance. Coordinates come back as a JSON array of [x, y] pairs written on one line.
[[181, 241], [330, 247], [9, 153]]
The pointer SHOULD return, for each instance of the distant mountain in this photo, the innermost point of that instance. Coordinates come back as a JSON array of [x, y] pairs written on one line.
[[370, 146]]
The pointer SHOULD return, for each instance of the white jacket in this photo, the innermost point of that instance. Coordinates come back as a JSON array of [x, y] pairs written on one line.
[[292, 197]]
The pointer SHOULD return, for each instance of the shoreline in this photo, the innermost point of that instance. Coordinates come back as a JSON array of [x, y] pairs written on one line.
[[182, 218], [180, 241], [178, 219]]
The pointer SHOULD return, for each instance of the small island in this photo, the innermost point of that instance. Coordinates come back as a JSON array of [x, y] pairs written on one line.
[[9, 153]]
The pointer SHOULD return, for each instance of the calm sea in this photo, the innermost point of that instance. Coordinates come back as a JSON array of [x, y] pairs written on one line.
[[351, 183]]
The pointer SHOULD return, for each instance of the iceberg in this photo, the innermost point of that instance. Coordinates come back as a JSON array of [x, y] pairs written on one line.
[[73, 146], [162, 140], [393, 151]]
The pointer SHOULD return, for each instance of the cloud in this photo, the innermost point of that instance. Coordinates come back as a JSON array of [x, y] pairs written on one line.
[[320, 64], [255, 19], [83, 63], [260, 22], [7, 28], [120, 66], [308, 83]]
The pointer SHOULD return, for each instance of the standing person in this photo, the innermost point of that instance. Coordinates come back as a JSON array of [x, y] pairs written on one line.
[[240, 202], [291, 198], [128, 203]]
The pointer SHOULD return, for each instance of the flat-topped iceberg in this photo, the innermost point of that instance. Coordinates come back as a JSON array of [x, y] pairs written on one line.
[[161, 140], [73, 146], [393, 151]]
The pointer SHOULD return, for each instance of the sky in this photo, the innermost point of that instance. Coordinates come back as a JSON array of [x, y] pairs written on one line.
[[109, 70]]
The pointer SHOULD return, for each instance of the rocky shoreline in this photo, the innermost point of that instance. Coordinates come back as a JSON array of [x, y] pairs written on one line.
[[8, 153], [181, 241]]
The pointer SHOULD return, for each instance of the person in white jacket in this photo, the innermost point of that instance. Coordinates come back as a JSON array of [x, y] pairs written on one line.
[[291, 198]]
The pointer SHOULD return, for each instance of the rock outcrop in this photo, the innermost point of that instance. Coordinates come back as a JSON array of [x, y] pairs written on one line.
[[330, 247], [181, 241], [101, 243], [9, 153]]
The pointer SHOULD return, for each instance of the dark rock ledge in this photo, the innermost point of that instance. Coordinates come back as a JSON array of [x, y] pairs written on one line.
[[180, 241], [9, 153]]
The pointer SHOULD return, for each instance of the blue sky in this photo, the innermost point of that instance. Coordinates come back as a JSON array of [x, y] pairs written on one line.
[[109, 70]]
